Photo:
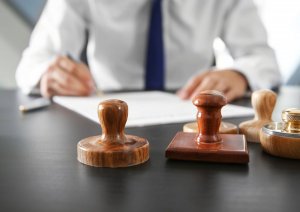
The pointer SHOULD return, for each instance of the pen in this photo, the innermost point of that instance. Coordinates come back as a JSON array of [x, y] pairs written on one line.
[[35, 104]]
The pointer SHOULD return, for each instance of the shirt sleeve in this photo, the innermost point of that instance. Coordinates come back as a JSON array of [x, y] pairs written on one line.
[[60, 30], [246, 39]]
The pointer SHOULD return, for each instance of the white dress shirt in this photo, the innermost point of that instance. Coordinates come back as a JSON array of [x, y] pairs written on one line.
[[118, 36]]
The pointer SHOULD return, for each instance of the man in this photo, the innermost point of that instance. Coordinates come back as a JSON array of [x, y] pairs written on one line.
[[119, 42]]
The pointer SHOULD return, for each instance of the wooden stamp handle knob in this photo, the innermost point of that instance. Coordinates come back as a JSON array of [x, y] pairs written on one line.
[[209, 104], [263, 102], [113, 116]]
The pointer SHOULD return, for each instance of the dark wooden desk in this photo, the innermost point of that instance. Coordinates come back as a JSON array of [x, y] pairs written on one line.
[[39, 171]]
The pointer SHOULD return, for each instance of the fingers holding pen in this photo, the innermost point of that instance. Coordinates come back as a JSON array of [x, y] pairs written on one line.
[[69, 82], [79, 70], [68, 78]]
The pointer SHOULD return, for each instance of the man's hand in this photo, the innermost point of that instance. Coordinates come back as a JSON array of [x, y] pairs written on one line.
[[232, 83], [66, 77]]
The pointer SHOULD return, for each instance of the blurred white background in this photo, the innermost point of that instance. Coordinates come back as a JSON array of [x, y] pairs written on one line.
[[14, 37], [17, 19]]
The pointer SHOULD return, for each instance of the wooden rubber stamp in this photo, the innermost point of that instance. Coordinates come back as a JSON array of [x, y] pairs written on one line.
[[225, 128], [208, 144], [113, 148], [283, 138], [263, 103]]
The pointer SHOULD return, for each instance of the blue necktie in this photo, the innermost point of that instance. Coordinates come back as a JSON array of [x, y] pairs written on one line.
[[154, 77]]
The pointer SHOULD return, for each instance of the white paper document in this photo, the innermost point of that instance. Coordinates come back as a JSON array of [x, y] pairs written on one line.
[[147, 108]]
